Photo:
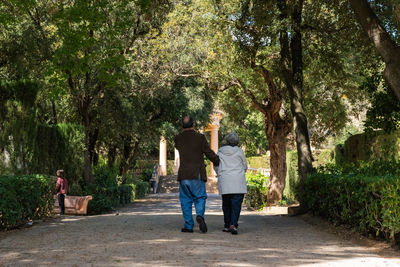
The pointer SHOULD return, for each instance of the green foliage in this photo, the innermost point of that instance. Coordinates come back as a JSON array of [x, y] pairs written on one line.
[[323, 157], [105, 176], [170, 167], [249, 125], [127, 193], [258, 162], [105, 199], [384, 112], [292, 176], [24, 198], [107, 195], [372, 168], [370, 204], [375, 146], [256, 196], [40, 148], [142, 188]]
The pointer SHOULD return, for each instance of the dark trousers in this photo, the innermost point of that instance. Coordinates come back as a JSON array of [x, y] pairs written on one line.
[[231, 206], [61, 205]]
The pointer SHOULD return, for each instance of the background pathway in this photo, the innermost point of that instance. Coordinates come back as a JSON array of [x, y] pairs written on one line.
[[147, 233]]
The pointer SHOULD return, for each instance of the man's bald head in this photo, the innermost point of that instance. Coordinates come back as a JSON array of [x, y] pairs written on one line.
[[187, 122]]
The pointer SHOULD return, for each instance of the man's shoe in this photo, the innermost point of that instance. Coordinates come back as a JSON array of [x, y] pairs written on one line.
[[202, 223], [185, 230], [226, 230], [233, 230]]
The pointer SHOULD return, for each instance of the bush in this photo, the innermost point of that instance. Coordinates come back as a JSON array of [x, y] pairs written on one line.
[[370, 204], [145, 175], [105, 176], [23, 198], [104, 199], [127, 193], [107, 199], [142, 188], [256, 196], [258, 162]]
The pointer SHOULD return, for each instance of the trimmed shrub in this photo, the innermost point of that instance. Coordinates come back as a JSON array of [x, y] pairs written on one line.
[[127, 193], [370, 204], [104, 199], [370, 146], [142, 188], [258, 162], [256, 196], [23, 198]]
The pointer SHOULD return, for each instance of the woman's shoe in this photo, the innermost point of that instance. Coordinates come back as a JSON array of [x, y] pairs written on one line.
[[233, 230]]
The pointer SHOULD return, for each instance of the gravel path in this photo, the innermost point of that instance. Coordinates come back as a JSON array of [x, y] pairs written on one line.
[[147, 233]]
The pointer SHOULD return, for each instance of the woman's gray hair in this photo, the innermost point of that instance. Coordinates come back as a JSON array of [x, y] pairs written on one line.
[[232, 139]]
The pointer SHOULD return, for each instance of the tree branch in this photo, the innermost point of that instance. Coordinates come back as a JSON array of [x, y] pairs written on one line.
[[254, 102]]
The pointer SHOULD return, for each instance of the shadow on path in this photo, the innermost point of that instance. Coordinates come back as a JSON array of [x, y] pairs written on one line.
[[147, 233]]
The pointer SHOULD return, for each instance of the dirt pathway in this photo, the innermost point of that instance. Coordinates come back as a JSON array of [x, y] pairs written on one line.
[[147, 233]]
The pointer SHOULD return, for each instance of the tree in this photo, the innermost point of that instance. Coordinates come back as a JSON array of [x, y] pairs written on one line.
[[386, 47], [291, 53], [231, 54], [95, 37]]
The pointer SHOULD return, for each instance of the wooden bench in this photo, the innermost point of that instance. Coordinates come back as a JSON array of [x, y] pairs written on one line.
[[74, 205]]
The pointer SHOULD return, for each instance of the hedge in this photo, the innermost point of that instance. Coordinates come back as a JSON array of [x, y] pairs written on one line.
[[142, 188], [258, 162], [24, 198], [106, 199], [370, 204], [256, 196]]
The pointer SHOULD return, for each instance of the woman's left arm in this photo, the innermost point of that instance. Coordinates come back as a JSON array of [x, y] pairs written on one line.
[[244, 162]]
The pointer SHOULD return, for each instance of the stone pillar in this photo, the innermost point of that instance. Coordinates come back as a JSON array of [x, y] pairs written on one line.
[[213, 127], [214, 146], [176, 163], [163, 156]]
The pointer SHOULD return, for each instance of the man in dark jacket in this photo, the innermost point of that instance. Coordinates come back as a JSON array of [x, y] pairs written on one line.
[[192, 177]]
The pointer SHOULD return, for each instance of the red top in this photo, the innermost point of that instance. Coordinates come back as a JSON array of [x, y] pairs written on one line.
[[61, 186]]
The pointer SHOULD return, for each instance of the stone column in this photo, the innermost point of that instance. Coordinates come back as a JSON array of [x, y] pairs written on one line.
[[214, 146], [163, 156], [176, 163], [213, 127]]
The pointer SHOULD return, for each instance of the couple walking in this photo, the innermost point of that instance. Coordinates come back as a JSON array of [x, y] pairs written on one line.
[[230, 165]]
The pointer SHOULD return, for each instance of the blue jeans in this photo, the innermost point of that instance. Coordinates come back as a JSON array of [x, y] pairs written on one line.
[[192, 191], [231, 206]]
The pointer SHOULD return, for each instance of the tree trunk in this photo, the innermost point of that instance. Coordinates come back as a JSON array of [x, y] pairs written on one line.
[[276, 130], [88, 174], [277, 148], [53, 108], [296, 99], [94, 157], [111, 156], [292, 67], [386, 47], [125, 153], [127, 162]]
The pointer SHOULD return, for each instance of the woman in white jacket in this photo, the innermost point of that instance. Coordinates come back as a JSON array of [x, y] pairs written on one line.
[[231, 181]]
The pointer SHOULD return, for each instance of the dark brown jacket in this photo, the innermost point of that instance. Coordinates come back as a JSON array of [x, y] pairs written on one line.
[[191, 146]]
